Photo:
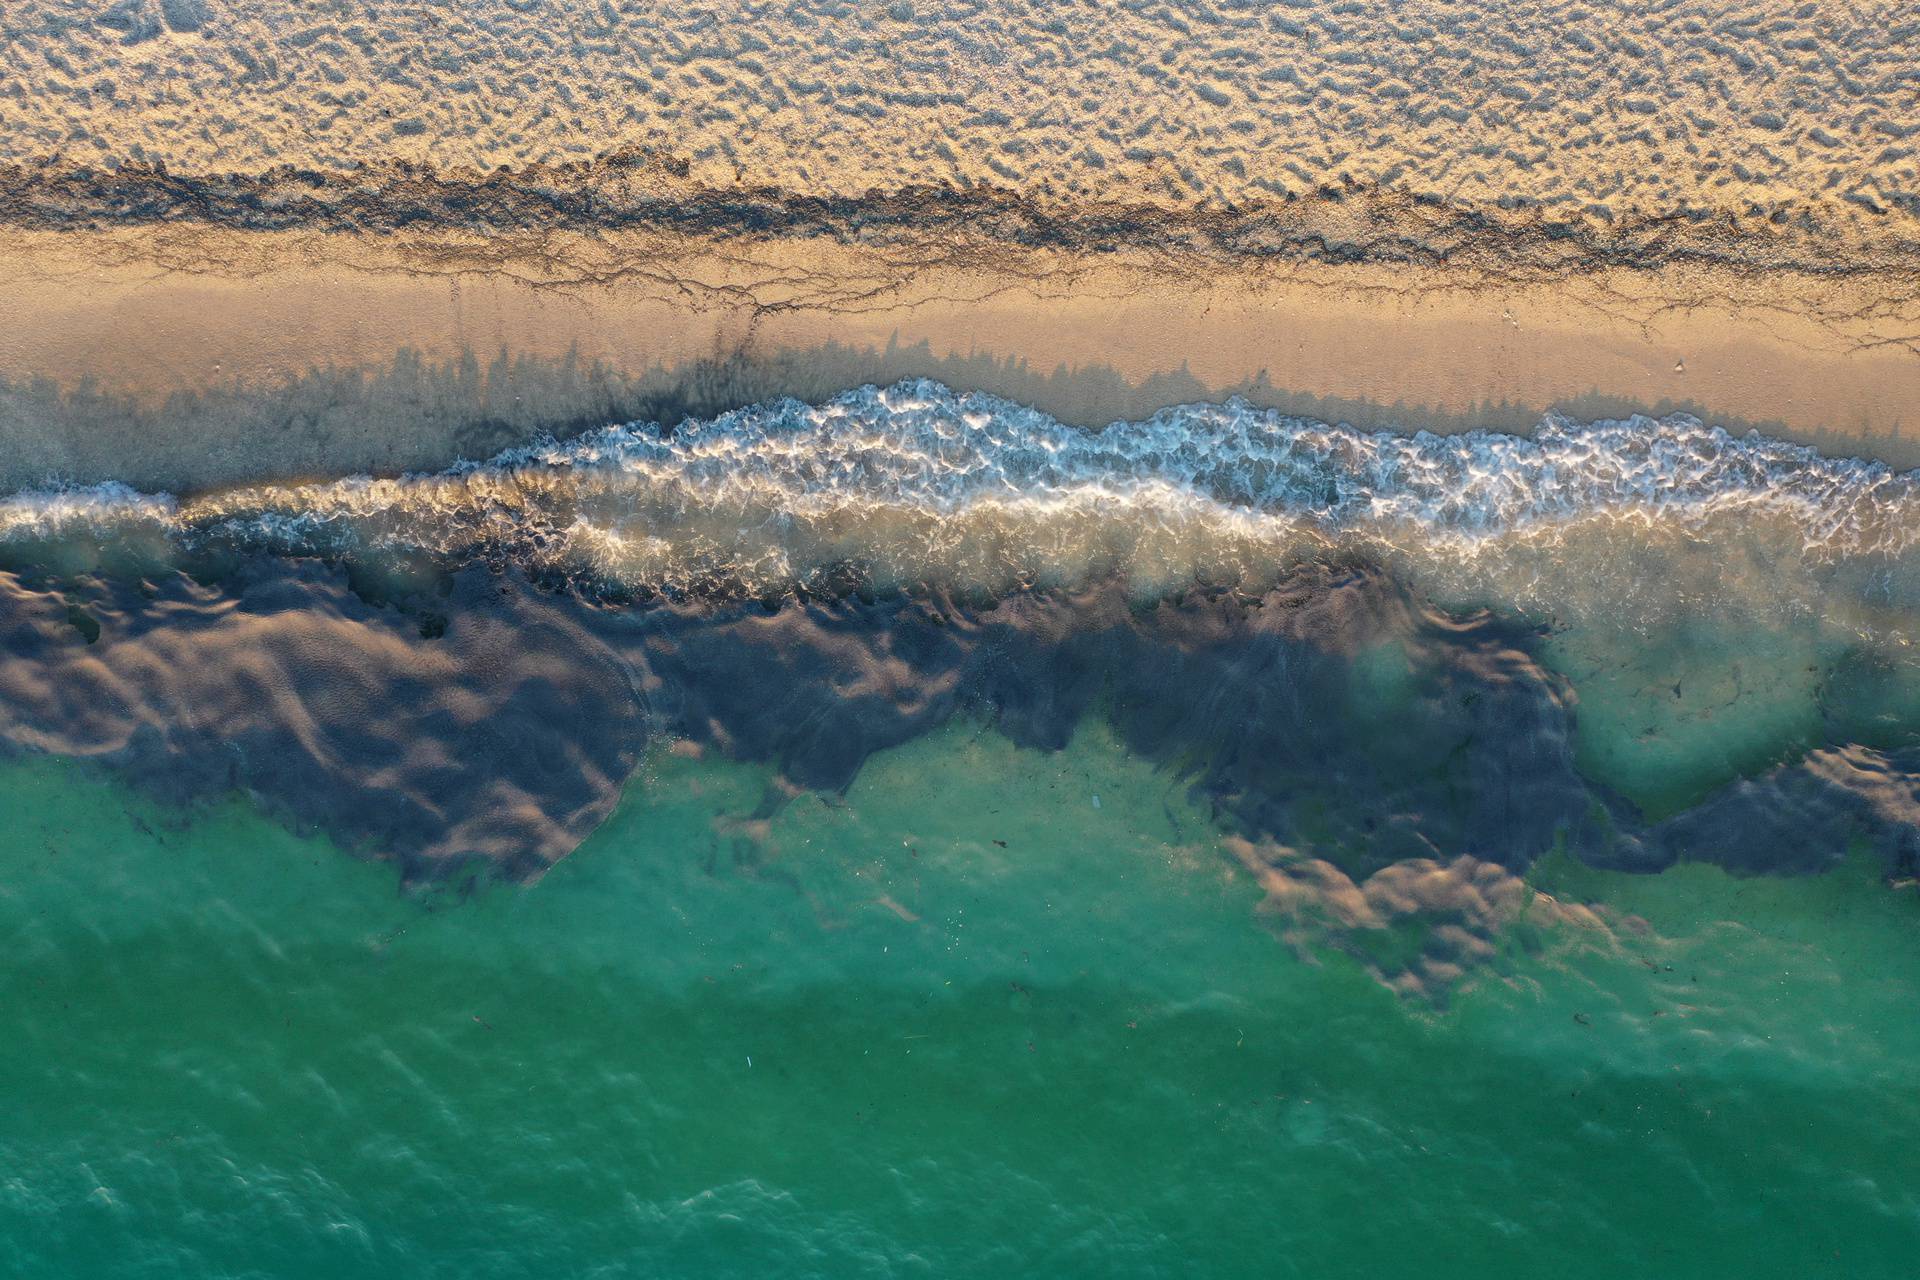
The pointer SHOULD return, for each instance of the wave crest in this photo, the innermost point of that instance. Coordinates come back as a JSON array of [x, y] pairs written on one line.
[[915, 484]]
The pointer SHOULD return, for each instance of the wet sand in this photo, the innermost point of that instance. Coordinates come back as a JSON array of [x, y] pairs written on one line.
[[242, 238], [195, 356], [916, 801]]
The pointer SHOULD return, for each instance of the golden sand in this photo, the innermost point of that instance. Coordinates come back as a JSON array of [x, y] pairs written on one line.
[[252, 237], [212, 357], [1607, 106]]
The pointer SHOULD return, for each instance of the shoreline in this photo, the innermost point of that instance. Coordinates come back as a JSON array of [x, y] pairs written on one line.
[[192, 357]]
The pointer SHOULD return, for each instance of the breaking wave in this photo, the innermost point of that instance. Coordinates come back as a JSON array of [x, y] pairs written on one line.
[[1638, 640], [916, 485]]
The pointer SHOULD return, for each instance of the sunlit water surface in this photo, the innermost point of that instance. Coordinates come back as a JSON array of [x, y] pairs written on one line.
[[994, 1012]]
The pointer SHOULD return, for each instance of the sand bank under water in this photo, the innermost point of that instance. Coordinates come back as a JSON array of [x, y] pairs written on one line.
[[192, 356], [957, 1005]]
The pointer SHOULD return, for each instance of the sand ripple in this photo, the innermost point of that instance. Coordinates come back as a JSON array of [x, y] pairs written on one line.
[[1607, 108]]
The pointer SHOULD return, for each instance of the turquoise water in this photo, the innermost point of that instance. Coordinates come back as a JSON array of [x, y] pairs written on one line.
[[1270, 998], [992, 1012]]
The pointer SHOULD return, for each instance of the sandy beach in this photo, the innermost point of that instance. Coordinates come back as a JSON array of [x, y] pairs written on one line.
[[247, 238], [186, 357], [1603, 108], [964, 638]]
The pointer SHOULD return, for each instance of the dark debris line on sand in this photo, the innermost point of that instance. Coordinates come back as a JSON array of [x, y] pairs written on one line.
[[641, 190]]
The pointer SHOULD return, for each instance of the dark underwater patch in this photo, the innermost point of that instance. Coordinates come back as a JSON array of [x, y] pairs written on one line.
[[494, 721]]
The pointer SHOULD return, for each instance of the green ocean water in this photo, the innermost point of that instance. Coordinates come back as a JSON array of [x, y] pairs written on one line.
[[993, 1012]]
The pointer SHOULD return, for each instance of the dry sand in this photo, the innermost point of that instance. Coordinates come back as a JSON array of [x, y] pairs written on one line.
[[242, 238]]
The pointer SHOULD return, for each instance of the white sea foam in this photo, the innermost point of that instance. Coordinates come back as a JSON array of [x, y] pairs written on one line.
[[915, 483], [74, 511]]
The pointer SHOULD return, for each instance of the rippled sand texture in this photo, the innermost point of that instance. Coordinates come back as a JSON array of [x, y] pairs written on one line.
[[1408, 216], [1605, 107]]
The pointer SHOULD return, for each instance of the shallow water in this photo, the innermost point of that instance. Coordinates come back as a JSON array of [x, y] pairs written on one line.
[[909, 836], [1648, 639], [993, 1011]]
